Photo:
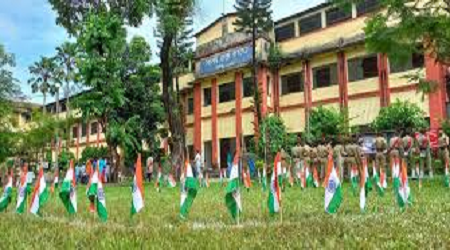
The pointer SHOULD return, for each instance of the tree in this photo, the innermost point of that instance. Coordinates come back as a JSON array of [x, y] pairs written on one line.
[[45, 74], [419, 26], [326, 122], [254, 17], [66, 58], [172, 15], [274, 138], [402, 115]]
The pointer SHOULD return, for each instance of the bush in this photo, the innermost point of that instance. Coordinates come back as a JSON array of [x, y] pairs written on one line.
[[402, 115], [326, 121], [91, 152]]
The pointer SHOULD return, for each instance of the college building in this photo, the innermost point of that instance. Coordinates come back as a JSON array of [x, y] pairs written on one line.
[[325, 64]]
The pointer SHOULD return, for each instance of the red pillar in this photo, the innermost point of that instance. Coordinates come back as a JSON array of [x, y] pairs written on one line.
[[437, 99], [262, 83], [307, 89], [215, 158], [197, 117], [343, 80], [276, 92], [238, 110], [383, 79]]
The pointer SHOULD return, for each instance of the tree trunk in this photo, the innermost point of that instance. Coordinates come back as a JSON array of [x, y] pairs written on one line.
[[44, 103], [257, 101], [174, 118]]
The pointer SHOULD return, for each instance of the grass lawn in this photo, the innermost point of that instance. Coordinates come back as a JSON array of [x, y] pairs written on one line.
[[305, 225]]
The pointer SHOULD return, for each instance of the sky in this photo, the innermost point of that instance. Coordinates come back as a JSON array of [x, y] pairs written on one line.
[[28, 29]]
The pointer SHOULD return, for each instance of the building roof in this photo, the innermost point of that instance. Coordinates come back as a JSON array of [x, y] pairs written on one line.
[[64, 99], [214, 23], [303, 13]]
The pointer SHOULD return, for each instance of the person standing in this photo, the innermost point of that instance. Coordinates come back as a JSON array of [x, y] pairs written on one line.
[[298, 157], [380, 158], [338, 156], [149, 165], [322, 153], [408, 148], [395, 149], [198, 164], [443, 154]]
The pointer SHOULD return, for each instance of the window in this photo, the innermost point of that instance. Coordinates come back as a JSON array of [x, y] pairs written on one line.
[[292, 83], [285, 32], [325, 76], [83, 130], [75, 132], [337, 15], [227, 92], [310, 24], [94, 128], [362, 68], [367, 6], [206, 97], [190, 106], [413, 62], [248, 86], [63, 107]]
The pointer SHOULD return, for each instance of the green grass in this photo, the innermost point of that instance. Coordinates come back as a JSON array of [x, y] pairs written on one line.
[[305, 225]]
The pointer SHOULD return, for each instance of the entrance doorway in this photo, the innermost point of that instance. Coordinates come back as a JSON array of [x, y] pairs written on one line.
[[227, 146], [207, 146]]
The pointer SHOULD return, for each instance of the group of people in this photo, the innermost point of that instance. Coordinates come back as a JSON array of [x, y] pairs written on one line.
[[412, 147]]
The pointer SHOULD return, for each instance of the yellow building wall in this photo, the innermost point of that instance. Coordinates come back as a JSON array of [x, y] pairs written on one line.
[[401, 79], [226, 127], [330, 34], [413, 97], [206, 130], [294, 119], [215, 31], [247, 123], [190, 136], [363, 111]]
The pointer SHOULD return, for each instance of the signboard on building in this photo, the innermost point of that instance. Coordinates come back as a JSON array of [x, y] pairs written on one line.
[[230, 59]]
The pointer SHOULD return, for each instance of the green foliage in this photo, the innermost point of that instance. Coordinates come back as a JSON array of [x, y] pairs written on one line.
[[46, 74], [274, 137], [327, 122], [254, 16], [400, 115], [64, 159], [275, 57], [48, 156], [93, 153]]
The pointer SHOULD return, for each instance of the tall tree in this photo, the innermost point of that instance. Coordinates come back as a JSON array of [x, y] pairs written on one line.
[[66, 58], [45, 74], [172, 15], [254, 17]]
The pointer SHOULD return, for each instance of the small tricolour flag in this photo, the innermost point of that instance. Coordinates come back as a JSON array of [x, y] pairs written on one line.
[[274, 201], [55, 180], [447, 175], [68, 192], [308, 177], [137, 203], [188, 190], [333, 192], [354, 179], [316, 177], [404, 197], [171, 182], [96, 192], [159, 181], [367, 182], [7, 193], [380, 181], [233, 195], [246, 177], [40, 194], [22, 192], [396, 174]]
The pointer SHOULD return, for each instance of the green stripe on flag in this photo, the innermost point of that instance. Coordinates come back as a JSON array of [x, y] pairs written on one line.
[[230, 201], [336, 201], [191, 186]]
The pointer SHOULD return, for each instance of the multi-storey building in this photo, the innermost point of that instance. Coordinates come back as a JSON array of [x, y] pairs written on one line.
[[325, 64]]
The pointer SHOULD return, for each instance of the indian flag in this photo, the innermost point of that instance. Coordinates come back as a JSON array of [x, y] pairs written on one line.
[[68, 192], [290, 178], [302, 177], [159, 180], [247, 180], [308, 177], [403, 192], [379, 181], [233, 196], [137, 193], [7, 192], [396, 174], [354, 179], [264, 179], [55, 180], [274, 201], [333, 192], [22, 194], [188, 190], [363, 189], [316, 177], [171, 181], [447, 177], [367, 182], [101, 202], [40, 194]]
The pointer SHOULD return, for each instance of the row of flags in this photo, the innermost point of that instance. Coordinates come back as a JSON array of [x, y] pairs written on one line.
[[189, 188]]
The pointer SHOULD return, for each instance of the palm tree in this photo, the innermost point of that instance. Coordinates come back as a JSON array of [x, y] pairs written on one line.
[[66, 60], [45, 74]]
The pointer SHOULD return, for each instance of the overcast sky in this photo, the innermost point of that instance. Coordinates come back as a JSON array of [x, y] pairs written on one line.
[[28, 29]]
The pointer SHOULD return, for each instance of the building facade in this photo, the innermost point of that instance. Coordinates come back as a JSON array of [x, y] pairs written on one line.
[[325, 64]]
